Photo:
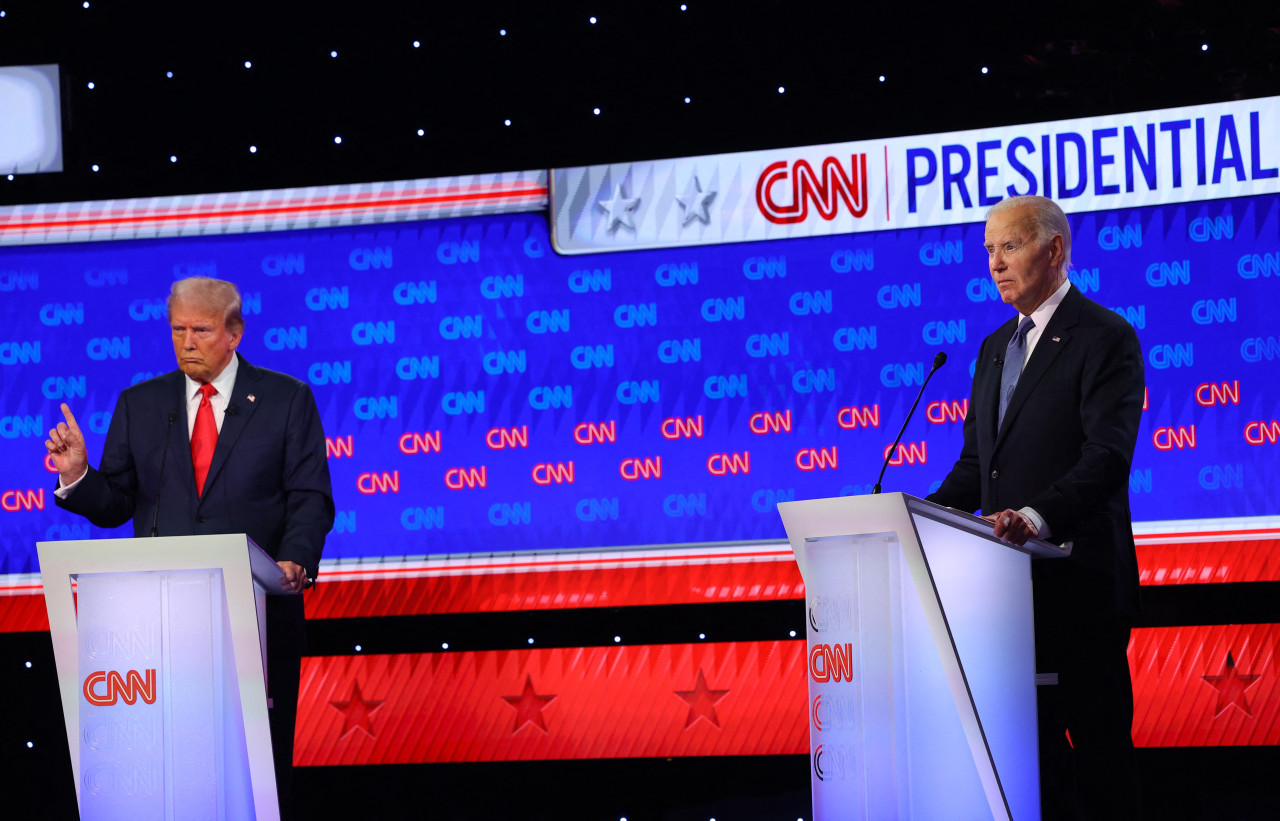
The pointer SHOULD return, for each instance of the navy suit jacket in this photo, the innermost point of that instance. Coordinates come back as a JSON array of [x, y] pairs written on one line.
[[269, 476], [1065, 446]]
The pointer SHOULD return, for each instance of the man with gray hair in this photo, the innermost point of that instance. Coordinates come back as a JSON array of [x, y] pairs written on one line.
[[252, 461], [1048, 440]]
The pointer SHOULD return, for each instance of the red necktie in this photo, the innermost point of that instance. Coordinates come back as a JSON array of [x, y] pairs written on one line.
[[204, 437]]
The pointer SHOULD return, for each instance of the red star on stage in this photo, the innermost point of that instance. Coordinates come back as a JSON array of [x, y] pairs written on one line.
[[357, 711], [529, 706], [702, 702], [1231, 687]]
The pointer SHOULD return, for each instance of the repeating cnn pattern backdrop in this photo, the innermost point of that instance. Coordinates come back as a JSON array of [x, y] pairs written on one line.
[[482, 393]]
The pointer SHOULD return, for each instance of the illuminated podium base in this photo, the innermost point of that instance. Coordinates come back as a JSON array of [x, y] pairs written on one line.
[[160, 652], [922, 681]]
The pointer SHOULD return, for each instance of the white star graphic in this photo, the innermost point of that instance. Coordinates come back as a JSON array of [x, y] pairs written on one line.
[[619, 209], [695, 203]]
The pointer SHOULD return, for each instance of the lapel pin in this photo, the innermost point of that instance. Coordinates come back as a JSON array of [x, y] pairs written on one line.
[[1055, 339], [253, 398]]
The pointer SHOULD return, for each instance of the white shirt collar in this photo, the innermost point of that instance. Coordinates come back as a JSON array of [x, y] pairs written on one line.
[[1044, 313], [222, 383]]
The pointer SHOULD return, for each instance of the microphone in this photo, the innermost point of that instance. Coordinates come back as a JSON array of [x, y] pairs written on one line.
[[938, 362], [164, 459], [231, 410]]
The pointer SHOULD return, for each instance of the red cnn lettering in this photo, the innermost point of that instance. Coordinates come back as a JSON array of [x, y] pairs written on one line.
[[765, 422], [415, 443], [633, 469], [546, 473], [338, 446], [15, 500], [910, 453], [826, 192], [507, 438], [722, 464], [459, 478], [590, 433], [831, 663], [816, 458], [941, 412], [1170, 438], [1257, 433], [371, 483], [128, 687], [1209, 394], [48, 463], [864, 417], [688, 427]]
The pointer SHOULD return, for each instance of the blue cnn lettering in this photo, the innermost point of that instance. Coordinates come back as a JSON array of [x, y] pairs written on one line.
[[854, 339], [899, 296], [327, 299], [503, 514], [454, 253], [1255, 266], [457, 403], [410, 368], [251, 303], [1258, 348], [344, 521], [99, 421], [1221, 477], [146, 310], [680, 350], [943, 333], [853, 259], [1140, 481], [597, 510], [635, 316], [725, 387], [1088, 280], [981, 289], [24, 353], [1171, 356], [67, 313], [766, 501], [814, 381], [724, 310], [502, 287], [762, 345], [1160, 274], [276, 265], [548, 322], [638, 393], [98, 278], [584, 357], [329, 373], [669, 276], [364, 259], [422, 518], [373, 333], [808, 303], [1211, 311], [942, 253], [500, 362], [462, 327], [63, 387], [1135, 315], [681, 505], [279, 339], [1206, 229], [23, 280], [895, 375], [546, 397], [14, 427], [584, 281], [1113, 237], [102, 347], [414, 293], [376, 407], [765, 268]]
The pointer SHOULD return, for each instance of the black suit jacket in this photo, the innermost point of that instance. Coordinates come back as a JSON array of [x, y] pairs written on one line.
[[269, 476], [1066, 444]]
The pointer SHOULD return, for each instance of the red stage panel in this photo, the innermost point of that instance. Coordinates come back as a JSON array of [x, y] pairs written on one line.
[[1205, 686], [1211, 561], [735, 698]]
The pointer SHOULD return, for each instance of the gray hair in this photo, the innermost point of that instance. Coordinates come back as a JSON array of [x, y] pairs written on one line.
[[1047, 219], [216, 295]]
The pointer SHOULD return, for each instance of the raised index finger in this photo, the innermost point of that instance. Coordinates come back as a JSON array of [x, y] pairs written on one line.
[[71, 420]]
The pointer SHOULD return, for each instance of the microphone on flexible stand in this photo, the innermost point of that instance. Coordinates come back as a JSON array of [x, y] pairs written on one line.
[[164, 459], [938, 362]]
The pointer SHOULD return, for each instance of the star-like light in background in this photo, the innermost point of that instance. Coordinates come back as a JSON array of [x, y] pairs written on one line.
[[619, 208], [1231, 687], [696, 203], [528, 706], [357, 711], [702, 702]]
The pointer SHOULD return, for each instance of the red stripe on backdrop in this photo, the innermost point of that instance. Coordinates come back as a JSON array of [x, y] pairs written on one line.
[[733, 698], [1203, 686], [490, 592], [1209, 562]]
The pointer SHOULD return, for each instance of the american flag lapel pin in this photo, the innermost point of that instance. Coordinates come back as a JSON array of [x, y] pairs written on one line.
[[1055, 339], [253, 398]]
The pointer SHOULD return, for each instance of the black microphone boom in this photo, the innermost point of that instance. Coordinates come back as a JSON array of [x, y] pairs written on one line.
[[164, 458], [938, 362]]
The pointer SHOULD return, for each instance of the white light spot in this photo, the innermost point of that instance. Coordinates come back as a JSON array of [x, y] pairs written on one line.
[[1204, 46], [173, 158], [417, 44], [593, 21], [11, 177], [91, 86], [684, 7], [793, 634], [359, 648], [337, 141], [422, 132], [31, 744], [444, 645], [702, 635], [333, 54], [531, 641], [506, 122], [595, 111], [688, 99], [782, 89], [28, 663], [617, 639], [2, 14], [502, 32], [882, 78], [95, 167], [169, 74], [248, 64], [253, 149], [86, 3], [984, 69]]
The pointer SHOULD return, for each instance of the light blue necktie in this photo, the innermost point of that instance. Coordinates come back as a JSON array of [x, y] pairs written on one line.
[[1013, 356]]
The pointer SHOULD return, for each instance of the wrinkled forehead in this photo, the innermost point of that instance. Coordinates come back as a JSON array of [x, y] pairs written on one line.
[[1018, 223]]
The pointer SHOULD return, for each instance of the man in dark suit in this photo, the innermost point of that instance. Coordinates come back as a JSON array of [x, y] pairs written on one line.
[[1048, 440], [248, 456]]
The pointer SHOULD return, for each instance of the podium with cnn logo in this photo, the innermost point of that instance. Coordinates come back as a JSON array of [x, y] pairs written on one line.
[[160, 647], [921, 649]]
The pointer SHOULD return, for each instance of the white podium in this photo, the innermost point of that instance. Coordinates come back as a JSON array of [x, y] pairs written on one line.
[[160, 649], [922, 680]]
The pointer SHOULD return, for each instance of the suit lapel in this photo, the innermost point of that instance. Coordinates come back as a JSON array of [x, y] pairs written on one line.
[[234, 423], [1053, 340]]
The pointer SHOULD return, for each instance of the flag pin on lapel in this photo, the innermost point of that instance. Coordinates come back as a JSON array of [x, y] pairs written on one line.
[[1055, 339], [253, 398]]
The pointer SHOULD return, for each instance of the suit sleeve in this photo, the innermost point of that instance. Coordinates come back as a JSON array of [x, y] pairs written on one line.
[[1111, 392], [962, 488], [308, 492], [107, 496]]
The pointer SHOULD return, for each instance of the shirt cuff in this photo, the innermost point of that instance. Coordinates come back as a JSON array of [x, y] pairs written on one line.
[[63, 491], [1037, 521]]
